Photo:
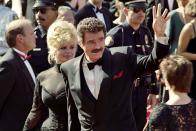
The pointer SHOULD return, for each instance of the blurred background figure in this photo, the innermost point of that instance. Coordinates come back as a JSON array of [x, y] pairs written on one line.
[[187, 41], [65, 13], [168, 4], [120, 13], [94, 8], [77, 4], [178, 113], [6, 16], [175, 24], [49, 110]]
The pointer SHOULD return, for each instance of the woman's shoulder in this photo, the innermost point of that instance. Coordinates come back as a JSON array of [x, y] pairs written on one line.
[[161, 110], [46, 73], [188, 30], [159, 116]]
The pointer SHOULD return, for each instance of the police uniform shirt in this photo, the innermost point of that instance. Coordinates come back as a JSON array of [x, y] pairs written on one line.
[[124, 35], [39, 59]]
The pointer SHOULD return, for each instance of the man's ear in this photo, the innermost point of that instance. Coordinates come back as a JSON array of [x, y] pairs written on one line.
[[19, 38]]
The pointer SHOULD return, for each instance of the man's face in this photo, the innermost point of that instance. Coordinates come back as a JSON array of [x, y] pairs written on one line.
[[29, 38], [97, 2], [135, 15], [93, 45], [45, 16]]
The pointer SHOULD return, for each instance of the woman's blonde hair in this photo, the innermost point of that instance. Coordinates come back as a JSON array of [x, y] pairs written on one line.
[[190, 8], [59, 34]]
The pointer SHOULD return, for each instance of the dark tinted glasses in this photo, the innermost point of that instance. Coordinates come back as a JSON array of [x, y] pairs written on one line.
[[43, 10], [138, 9]]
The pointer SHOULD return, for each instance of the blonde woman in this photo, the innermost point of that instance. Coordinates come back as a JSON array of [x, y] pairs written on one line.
[[49, 108]]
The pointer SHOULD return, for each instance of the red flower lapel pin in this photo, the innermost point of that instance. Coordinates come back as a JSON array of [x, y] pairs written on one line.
[[118, 75]]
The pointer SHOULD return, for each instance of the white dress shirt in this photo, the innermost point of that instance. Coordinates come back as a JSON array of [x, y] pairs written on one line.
[[93, 78], [27, 64], [170, 4]]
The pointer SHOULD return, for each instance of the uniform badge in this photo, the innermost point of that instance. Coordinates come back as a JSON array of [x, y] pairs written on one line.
[[146, 39], [109, 41]]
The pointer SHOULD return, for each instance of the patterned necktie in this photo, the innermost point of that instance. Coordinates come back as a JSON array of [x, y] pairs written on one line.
[[24, 57]]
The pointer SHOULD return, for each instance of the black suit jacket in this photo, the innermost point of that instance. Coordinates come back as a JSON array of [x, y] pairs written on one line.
[[16, 92], [165, 4], [87, 11], [112, 111]]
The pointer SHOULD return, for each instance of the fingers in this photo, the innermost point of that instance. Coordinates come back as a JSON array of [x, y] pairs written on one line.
[[165, 13], [168, 17], [154, 12], [159, 10]]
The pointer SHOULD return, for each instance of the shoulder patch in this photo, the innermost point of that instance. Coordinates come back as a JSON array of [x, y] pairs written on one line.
[[109, 41]]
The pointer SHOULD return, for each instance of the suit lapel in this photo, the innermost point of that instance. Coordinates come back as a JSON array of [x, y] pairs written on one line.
[[21, 66], [106, 19], [106, 82], [77, 81], [91, 11]]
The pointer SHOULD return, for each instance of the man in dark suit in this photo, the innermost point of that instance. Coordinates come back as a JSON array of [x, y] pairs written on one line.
[[102, 93], [17, 78], [94, 9]]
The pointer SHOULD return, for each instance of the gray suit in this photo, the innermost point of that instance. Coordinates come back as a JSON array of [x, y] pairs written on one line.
[[16, 92], [112, 111]]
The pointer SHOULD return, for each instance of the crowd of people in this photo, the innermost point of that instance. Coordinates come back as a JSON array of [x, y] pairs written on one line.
[[97, 65]]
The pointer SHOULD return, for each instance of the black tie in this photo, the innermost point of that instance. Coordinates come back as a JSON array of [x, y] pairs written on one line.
[[92, 65], [98, 10]]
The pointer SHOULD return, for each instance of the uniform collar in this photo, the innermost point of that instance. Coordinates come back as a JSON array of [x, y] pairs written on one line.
[[42, 31], [126, 24]]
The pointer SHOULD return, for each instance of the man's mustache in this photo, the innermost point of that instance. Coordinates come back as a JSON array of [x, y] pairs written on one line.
[[97, 50]]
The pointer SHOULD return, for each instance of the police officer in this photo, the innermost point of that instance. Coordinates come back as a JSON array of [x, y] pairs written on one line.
[[46, 12], [133, 33]]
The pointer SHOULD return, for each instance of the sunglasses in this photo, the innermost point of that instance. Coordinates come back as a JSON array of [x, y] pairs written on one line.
[[42, 10], [138, 9]]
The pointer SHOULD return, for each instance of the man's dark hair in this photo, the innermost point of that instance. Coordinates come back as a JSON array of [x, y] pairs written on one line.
[[90, 24]]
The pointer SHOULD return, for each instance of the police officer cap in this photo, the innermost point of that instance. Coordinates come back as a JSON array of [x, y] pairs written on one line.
[[43, 3], [136, 3]]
